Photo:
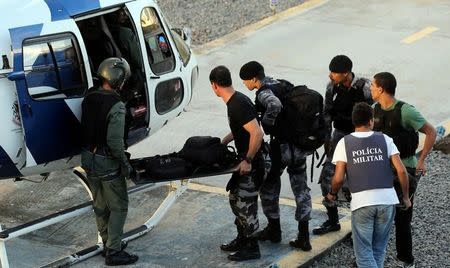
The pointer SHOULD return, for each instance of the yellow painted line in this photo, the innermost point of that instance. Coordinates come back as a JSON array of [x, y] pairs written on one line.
[[419, 35], [206, 188], [317, 200], [319, 243], [249, 29], [221, 191], [291, 202]]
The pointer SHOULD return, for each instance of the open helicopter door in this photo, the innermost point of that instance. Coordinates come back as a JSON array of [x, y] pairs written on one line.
[[50, 76], [167, 85]]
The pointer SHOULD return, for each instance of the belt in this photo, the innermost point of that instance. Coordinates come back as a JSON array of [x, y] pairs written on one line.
[[110, 176], [102, 151], [107, 177]]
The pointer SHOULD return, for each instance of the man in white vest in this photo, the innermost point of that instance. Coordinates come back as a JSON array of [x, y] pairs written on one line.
[[366, 157]]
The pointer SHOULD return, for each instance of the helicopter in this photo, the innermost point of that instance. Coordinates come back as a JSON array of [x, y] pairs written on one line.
[[50, 52]]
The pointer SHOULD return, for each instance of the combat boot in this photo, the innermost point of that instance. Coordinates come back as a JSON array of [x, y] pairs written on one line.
[[330, 225], [302, 242], [235, 244], [248, 251], [115, 257], [123, 245], [272, 232]]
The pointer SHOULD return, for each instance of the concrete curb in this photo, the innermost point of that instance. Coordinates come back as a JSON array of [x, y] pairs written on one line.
[[250, 29], [321, 245]]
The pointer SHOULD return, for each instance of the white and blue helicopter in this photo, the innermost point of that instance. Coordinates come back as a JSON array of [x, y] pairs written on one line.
[[50, 51]]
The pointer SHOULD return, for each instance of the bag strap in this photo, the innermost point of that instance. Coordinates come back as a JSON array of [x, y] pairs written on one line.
[[314, 155], [231, 149], [321, 160]]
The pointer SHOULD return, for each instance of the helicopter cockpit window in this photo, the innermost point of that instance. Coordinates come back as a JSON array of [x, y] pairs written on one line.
[[52, 68], [160, 53], [182, 47]]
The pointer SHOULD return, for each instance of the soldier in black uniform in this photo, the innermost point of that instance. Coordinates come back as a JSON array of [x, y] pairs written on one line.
[[243, 185], [104, 160], [283, 154], [343, 91]]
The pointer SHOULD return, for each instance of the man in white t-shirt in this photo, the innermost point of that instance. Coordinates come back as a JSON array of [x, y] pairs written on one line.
[[366, 157]]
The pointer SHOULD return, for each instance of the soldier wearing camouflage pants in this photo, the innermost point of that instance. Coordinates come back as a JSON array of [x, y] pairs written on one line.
[[283, 154], [343, 91], [243, 185]]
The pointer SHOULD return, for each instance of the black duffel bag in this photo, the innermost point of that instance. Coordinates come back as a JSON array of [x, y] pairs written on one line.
[[163, 167], [208, 151]]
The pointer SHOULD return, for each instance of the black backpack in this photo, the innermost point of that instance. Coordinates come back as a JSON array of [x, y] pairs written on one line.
[[301, 120]]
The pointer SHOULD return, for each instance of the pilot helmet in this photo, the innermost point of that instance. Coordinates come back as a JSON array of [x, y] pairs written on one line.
[[115, 71]]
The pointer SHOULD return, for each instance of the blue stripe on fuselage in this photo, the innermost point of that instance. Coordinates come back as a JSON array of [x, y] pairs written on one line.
[[7, 167], [52, 131], [64, 9]]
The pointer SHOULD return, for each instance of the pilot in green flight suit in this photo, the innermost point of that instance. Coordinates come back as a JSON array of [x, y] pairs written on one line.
[[104, 159]]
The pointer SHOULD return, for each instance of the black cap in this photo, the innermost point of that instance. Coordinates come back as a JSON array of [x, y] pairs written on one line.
[[341, 64], [250, 70]]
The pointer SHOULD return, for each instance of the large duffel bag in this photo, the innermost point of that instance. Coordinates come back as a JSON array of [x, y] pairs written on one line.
[[208, 151], [171, 167], [163, 167]]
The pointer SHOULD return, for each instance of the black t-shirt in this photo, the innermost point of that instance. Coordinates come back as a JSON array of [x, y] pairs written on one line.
[[240, 111]]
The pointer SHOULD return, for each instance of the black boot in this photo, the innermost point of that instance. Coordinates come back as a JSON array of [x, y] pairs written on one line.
[[236, 243], [272, 232], [330, 225], [248, 251], [123, 245], [114, 258], [302, 240]]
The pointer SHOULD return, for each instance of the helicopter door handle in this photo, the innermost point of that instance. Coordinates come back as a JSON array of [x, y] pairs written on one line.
[[155, 77], [28, 109]]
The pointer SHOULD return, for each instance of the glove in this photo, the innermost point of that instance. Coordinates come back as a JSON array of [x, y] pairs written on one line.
[[126, 170]]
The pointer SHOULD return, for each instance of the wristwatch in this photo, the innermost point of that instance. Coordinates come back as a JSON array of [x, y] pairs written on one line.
[[248, 159]]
